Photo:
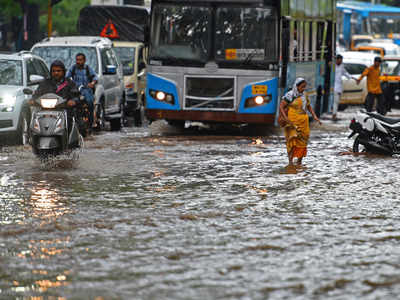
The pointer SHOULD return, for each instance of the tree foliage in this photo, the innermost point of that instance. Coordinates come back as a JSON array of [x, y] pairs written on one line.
[[65, 13], [65, 16]]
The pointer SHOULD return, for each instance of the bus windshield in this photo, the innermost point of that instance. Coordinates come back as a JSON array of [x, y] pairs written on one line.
[[245, 34], [227, 34], [181, 33]]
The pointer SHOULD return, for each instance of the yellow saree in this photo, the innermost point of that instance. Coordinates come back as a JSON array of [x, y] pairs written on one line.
[[297, 136]]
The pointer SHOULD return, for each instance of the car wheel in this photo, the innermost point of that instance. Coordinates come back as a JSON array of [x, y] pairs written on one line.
[[124, 117], [139, 115], [22, 136], [115, 124], [101, 119]]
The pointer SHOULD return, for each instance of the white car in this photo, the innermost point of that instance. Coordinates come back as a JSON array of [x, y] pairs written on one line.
[[18, 71], [355, 63], [391, 49]]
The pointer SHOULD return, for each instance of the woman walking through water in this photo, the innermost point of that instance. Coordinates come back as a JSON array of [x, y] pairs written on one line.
[[297, 131]]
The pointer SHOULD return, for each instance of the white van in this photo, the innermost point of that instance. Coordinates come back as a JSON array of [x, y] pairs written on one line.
[[355, 63], [100, 56]]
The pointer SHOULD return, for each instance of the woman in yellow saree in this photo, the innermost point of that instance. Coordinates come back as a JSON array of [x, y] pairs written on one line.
[[294, 110]]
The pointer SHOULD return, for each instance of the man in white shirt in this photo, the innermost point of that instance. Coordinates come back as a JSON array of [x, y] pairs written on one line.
[[340, 71]]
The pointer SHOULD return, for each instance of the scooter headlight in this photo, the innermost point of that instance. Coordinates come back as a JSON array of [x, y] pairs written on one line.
[[48, 103]]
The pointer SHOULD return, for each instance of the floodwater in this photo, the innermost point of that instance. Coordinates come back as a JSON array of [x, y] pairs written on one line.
[[151, 213]]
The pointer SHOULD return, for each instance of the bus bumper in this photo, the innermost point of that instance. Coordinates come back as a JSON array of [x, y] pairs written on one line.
[[210, 116]]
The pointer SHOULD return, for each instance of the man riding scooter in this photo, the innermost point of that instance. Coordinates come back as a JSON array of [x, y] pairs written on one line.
[[85, 79], [58, 84]]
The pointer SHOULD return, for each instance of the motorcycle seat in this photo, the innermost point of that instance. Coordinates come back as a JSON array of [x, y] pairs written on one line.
[[388, 120]]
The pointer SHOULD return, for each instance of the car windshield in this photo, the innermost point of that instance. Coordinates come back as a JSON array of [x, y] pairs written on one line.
[[67, 55], [127, 57], [391, 67], [228, 34], [354, 69], [393, 52], [361, 42], [11, 72]]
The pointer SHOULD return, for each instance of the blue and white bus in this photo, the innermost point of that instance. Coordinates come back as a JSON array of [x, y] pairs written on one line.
[[356, 17], [229, 61]]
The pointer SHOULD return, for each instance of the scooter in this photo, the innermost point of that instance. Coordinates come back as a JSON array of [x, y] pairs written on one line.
[[375, 133], [50, 133]]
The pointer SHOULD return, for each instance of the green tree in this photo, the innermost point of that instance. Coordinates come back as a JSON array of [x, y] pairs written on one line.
[[65, 13], [65, 16]]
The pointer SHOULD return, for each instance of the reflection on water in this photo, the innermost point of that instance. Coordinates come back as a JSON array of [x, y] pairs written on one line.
[[201, 217], [46, 202]]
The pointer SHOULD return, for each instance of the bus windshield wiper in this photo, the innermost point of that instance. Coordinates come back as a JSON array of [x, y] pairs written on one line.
[[249, 58], [177, 60]]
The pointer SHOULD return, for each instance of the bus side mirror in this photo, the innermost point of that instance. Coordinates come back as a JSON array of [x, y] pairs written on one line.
[[284, 52], [285, 45], [146, 35]]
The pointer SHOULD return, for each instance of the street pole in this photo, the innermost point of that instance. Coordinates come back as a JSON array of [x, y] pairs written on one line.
[[49, 19]]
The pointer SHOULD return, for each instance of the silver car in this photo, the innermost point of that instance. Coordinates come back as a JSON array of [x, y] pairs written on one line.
[[18, 71]]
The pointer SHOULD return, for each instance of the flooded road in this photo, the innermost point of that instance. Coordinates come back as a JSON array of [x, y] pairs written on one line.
[[147, 213]]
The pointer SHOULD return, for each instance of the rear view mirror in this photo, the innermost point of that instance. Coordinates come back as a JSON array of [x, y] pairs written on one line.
[[27, 91], [35, 79], [110, 70]]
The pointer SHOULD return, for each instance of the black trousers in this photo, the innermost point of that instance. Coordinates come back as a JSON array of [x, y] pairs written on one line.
[[380, 104]]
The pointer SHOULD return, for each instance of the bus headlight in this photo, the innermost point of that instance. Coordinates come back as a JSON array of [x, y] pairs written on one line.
[[257, 101], [162, 96]]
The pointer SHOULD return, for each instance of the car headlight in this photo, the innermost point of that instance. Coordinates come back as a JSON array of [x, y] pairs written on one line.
[[48, 103], [8, 102]]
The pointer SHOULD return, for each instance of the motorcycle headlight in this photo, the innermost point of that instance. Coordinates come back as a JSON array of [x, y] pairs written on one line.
[[48, 103]]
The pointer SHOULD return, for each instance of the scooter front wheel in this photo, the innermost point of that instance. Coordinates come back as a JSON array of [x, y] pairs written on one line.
[[357, 147], [45, 154]]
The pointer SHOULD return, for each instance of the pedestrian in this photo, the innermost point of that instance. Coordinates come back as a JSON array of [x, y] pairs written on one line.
[[297, 132], [340, 71], [85, 79], [374, 87]]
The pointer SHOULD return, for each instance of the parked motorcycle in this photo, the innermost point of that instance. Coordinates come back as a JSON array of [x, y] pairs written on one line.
[[50, 132], [375, 133]]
